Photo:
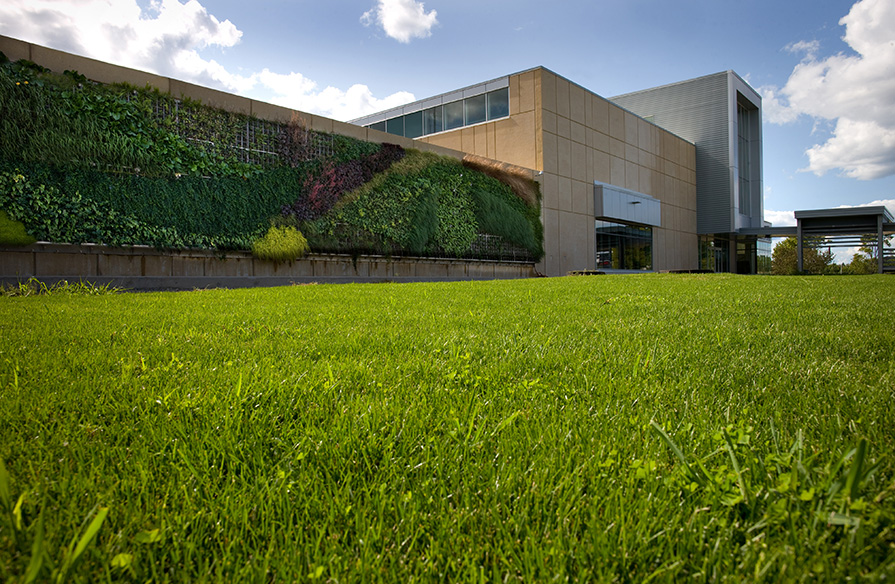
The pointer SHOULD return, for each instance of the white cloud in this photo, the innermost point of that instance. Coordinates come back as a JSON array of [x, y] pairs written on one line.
[[856, 91], [168, 38], [780, 218], [402, 20], [861, 149], [888, 203], [298, 92], [810, 48], [773, 109]]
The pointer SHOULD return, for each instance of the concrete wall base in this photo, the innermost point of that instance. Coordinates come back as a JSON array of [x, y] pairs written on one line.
[[145, 268]]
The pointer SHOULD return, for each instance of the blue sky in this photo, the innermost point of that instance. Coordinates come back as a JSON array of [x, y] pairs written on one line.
[[826, 70]]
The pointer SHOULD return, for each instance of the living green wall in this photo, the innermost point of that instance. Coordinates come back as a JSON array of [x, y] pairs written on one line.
[[120, 165]]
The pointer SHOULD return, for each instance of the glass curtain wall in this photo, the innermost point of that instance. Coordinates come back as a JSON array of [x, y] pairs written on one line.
[[624, 247], [714, 253], [764, 253], [748, 169]]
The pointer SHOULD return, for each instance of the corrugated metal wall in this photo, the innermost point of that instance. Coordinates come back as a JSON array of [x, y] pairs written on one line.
[[698, 111]]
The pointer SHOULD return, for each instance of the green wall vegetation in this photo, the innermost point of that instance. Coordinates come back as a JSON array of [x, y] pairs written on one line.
[[119, 165]]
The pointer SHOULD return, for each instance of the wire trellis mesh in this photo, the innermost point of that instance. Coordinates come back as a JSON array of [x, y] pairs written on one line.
[[486, 246], [245, 139]]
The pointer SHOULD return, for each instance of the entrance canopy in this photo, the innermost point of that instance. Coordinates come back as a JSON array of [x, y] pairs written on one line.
[[869, 227]]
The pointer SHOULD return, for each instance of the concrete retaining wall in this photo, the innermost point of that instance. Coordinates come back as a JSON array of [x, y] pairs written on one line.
[[145, 268]]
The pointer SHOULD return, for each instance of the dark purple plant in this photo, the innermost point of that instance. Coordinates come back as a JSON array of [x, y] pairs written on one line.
[[322, 192]]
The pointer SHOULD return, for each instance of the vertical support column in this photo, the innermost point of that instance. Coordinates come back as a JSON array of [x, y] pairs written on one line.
[[733, 255], [799, 246], [879, 243]]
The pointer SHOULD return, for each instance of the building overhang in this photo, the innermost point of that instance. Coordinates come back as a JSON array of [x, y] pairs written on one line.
[[626, 206], [783, 231]]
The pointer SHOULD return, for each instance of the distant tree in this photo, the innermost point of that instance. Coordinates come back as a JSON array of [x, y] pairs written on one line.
[[862, 264], [866, 260], [785, 259]]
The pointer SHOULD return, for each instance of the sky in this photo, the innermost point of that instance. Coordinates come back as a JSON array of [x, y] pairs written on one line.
[[825, 70]]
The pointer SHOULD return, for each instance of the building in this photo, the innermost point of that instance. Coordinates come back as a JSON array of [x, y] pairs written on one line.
[[721, 115], [661, 179]]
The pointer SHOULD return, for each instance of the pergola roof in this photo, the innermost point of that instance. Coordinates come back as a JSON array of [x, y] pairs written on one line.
[[837, 221], [845, 220], [839, 227]]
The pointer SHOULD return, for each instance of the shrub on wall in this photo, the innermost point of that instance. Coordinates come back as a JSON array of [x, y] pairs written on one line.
[[13, 232], [500, 212], [49, 215], [67, 120], [81, 205], [519, 180], [281, 243]]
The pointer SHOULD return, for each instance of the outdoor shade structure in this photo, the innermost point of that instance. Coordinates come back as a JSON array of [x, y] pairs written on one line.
[[849, 227], [846, 227]]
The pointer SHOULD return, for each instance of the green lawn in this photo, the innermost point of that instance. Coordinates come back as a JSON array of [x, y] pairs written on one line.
[[629, 428]]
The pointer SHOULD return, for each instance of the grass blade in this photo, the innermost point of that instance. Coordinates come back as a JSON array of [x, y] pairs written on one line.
[[744, 490], [853, 482], [85, 540], [5, 498], [698, 478], [37, 552]]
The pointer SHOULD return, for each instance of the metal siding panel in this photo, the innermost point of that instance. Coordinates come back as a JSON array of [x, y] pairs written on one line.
[[699, 112]]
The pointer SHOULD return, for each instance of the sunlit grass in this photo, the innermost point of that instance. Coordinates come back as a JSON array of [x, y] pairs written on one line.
[[617, 428]]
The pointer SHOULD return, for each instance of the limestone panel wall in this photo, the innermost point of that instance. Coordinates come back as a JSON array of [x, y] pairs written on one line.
[[586, 138]]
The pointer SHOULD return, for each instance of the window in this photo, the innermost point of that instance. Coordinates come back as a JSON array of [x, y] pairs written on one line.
[[475, 110], [456, 114], [498, 104], [413, 125], [433, 120], [624, 247], [764, 252], [453, 115], [395, 126], [714, 253], [746, 139]]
